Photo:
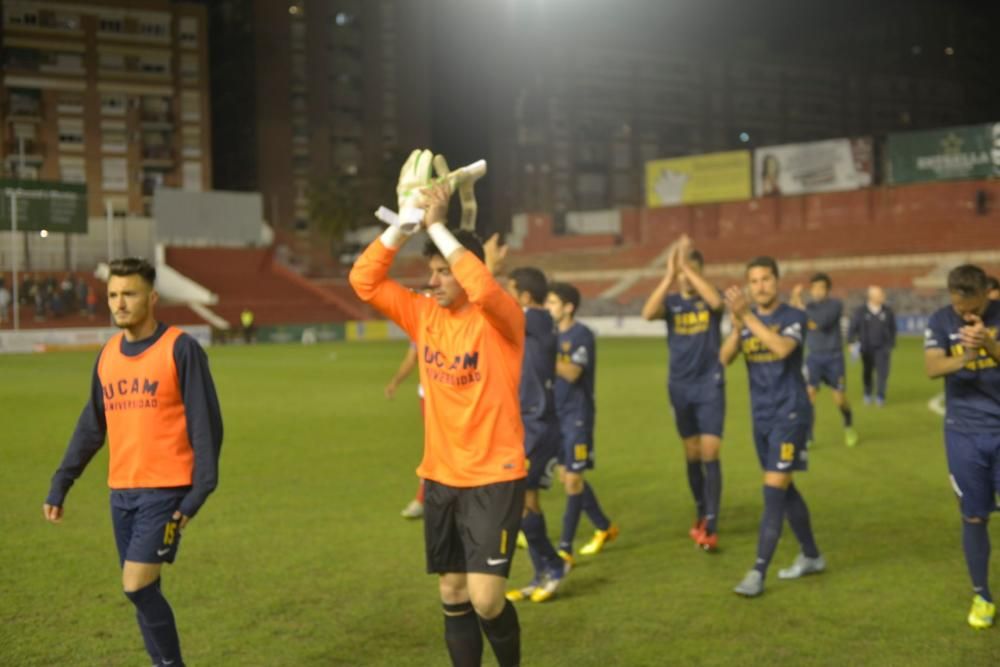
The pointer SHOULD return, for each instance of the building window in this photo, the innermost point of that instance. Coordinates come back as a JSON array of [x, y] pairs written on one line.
[[114, 174], [191, 173], [70, 133], [111, 61], [69, 103], [191, 138], [190, 105], [188, 29], [189, 67], [113, 104], [23, 17], [114, 140], [110, 25], [72, 170], [154, 28]]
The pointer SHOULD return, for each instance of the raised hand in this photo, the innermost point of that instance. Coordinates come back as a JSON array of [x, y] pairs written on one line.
[[464, 180], [736, 301], [414, 176], [496, 254], [973, 335]]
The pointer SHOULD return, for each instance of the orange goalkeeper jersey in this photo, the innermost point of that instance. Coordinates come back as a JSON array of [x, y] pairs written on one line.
[[470, 368]]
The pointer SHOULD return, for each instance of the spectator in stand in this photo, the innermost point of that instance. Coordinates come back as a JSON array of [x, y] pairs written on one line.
[[82, 294], [992, 288], [67, 289], [39, 297], [91, 303], [4, 302], [872, 335], [26, 294]]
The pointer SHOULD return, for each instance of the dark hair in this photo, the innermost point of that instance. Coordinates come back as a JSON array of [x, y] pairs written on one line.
[[131, 266], [468, 239], [967, 280], [992, 283], [696, 257], [567, 294], [531, 280], [764, 262], [822, 278]]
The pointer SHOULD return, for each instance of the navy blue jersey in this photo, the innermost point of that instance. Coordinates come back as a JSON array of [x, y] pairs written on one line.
[[694, 338], [824, 326], [777, 387], [538, 369], [972, 395], [575, 400]]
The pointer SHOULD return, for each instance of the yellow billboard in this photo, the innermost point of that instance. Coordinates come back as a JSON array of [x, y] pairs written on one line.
[[699, 179]]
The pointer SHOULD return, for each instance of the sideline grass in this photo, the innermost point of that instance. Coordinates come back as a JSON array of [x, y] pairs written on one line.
[[300, 558]]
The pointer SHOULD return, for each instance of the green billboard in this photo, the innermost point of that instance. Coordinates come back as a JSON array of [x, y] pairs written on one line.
[[964, 152], [51, 205]]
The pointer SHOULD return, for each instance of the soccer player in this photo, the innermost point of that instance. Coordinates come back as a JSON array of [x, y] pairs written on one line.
[[153, 397], [576, 368], [960, 345], [770, 335], [470, 339], [415, 508], [825, 360], [541, 429], [993, 288], [696, 383], [873, 333]]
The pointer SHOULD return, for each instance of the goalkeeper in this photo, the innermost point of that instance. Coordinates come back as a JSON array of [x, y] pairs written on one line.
[[470, 339]]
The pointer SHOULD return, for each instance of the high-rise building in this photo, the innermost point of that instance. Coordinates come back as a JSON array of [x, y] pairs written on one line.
[[113, 93], [317, 99]]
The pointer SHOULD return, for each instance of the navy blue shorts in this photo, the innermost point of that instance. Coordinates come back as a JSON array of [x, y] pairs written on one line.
[[577, 447], [542, 442], [782, 447], [974, 468], [699, 410], [826, 368], [145, 531]]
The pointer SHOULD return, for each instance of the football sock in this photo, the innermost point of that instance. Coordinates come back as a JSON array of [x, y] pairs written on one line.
[[696, 480], [147, 638], [713, 494], [504, 635], [462, 635], [976, 544], [798, 518], [533, 525], [158, 620], [848, 417], [593, 508], [770, 527], [571, 519]]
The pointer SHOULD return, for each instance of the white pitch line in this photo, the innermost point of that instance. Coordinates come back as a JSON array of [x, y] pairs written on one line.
[[936, 404]]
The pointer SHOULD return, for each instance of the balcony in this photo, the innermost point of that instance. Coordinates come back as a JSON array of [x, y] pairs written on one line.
[[34, 151], [23, 112], [158, 157], [156, 119]]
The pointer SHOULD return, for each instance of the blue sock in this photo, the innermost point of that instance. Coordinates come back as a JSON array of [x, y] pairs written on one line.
[[848, 416], [976, 544], [593, 508], [571, 519], [158, 619], [798, 518], [147, 638], [770, 527], [533, 525], [713, 494], [696, 480]]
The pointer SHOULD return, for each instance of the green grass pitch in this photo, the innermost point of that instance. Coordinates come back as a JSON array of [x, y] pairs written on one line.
[[300, 557]]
